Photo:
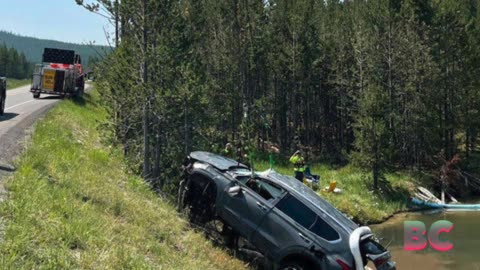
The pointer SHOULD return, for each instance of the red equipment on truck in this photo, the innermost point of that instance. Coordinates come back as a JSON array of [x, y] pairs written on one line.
[[60, 73]]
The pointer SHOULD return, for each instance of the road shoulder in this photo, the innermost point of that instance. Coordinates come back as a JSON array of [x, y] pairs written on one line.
[[13, 141]]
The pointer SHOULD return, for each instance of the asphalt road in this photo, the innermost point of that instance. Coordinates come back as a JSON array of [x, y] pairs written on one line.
[[21, 112], [21, 105]]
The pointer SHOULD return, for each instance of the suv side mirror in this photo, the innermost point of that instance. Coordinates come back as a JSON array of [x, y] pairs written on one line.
[[234, 191]]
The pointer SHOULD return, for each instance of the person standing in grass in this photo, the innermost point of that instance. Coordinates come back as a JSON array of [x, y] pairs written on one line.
[[229, 151], [299, 165]]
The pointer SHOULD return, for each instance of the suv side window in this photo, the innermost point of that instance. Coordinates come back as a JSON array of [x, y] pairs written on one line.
[[267, 190], [304, 216]]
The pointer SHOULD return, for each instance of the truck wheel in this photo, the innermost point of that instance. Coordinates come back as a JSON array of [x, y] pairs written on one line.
[[36, 95], [2, 105]]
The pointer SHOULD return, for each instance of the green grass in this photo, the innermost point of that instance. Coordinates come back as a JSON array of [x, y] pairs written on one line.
[[357, 200], [14, 83], [71, 205]]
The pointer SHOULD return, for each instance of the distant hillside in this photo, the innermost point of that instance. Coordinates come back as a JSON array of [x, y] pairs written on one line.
[[33, 47]]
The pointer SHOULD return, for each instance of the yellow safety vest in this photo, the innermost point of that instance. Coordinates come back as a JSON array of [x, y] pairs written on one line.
[[297, 160]]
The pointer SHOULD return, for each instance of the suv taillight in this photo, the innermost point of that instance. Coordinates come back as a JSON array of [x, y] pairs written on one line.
[[344, 265]]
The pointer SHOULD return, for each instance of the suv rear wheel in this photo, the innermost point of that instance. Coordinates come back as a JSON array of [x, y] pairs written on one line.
[[200, 201], [294, 265]]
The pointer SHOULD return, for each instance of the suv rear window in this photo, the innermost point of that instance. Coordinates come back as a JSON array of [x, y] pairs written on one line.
[[304, 216]]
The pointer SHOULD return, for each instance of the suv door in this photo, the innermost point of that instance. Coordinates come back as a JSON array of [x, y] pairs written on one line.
[[291, 225], [245, 210]]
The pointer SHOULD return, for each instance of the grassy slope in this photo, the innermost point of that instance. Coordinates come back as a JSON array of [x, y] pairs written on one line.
[[357, 201], [14, 83], [71, 205]]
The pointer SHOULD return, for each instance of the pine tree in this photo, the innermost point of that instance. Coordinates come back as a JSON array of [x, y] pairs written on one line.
[[389, 83], [371, 136]]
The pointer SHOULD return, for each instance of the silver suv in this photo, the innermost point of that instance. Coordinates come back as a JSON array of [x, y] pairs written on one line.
[[275, 216]]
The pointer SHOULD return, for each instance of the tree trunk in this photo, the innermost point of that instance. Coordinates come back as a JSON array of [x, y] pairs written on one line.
[[467, 143], [146, 130], [186, 139], [116, 24], [158, 154], [375, 175], [146, 143]]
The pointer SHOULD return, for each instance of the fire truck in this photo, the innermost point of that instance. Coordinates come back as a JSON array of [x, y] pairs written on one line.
[[60, 74]]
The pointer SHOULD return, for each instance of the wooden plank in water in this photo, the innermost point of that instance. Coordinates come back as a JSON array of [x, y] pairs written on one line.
[[429, 194]]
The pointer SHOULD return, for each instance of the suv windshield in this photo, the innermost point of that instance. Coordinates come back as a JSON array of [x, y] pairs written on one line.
[[241, 171], [267, 190]]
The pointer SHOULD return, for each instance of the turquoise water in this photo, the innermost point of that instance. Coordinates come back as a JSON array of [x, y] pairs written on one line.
[[465, 237]]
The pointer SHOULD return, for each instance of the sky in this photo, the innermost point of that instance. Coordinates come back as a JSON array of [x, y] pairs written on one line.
[[61, 20]]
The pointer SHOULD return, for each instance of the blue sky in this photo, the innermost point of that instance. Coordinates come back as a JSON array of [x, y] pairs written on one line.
[[61, 20]]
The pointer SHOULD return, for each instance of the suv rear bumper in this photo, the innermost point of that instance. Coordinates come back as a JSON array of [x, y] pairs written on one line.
[[381, 258], [40, 91]]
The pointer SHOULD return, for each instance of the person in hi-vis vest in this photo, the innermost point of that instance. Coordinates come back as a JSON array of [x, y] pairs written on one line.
[[299, 165]]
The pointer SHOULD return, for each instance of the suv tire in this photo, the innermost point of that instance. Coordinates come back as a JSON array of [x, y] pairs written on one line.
[[201, 202], [294, 265]]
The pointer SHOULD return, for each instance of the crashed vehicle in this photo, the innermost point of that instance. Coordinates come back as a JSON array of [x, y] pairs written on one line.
[[276, 216]]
